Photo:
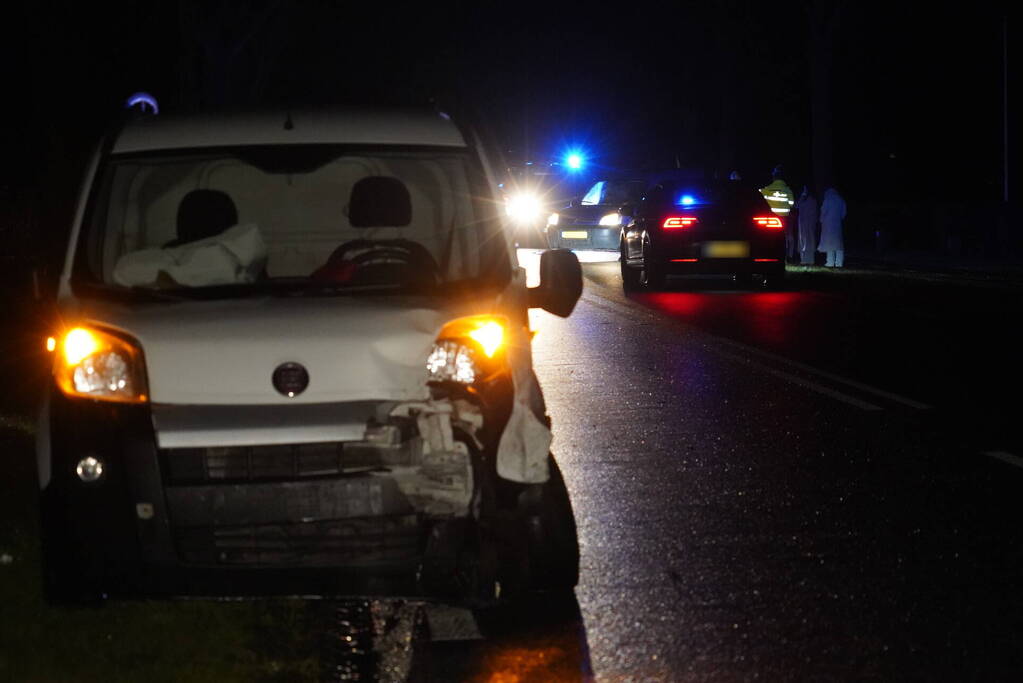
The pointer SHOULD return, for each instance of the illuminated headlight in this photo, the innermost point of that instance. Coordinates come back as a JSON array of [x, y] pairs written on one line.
[[451, 361], [523, 207], [468, 349], [100, 365], [553, 219], [611, 219]]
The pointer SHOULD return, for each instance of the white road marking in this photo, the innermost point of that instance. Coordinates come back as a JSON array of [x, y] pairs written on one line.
[[1009, 458], [896, 398], [805, 383], [620, 309]]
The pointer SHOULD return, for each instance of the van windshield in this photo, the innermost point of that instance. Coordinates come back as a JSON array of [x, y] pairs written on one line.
[[296, 219]]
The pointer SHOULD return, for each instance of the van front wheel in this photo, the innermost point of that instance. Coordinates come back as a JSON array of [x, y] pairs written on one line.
[[553, 545]]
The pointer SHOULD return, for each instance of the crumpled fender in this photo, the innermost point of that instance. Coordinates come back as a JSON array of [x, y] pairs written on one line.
[[526, 440]]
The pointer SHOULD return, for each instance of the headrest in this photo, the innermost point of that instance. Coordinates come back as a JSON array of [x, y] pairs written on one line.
[[202, 214], [379, 201]]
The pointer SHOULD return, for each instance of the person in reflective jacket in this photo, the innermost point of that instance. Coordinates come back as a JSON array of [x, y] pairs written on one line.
[[780, 198], [806, 207], [778, 194], [832, 215]]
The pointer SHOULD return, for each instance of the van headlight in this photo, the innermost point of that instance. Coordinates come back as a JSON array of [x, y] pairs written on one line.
[[450, 361], [91, 363], [468, 349]]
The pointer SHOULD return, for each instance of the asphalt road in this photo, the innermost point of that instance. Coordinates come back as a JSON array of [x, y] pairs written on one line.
[[817, 483]]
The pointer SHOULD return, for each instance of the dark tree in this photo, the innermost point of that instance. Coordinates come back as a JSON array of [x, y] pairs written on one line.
[[824, 23]]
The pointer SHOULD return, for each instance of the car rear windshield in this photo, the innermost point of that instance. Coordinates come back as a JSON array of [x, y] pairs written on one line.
[[310, 218], [699, 194]]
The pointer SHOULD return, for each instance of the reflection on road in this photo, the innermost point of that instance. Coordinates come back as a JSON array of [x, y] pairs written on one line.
[[767, 318], [540, 639]]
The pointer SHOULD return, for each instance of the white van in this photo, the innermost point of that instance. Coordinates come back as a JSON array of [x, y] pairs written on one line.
[[293, 357]]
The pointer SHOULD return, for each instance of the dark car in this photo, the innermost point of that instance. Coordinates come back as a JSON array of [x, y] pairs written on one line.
[[700, 228], [594, 221]]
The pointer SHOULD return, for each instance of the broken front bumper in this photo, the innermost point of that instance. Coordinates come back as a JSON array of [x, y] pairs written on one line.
[[331, 499]]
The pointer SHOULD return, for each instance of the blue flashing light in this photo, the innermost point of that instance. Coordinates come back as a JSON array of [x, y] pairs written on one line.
[[688, 200], [144, 101], [574, 159]]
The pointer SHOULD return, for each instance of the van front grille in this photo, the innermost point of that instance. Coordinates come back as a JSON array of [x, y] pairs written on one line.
[[287, 462], [349, 542]]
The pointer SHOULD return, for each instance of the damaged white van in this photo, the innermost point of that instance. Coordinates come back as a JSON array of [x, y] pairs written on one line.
[[293, 356]]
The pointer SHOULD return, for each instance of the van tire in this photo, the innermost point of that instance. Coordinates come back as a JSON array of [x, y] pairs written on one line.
[[553, 545]]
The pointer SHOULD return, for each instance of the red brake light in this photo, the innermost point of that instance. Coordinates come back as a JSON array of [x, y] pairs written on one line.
[[676, 222], [769, 222]]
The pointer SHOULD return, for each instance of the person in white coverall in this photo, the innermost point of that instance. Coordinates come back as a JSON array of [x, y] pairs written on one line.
[[806, 206], [832, 215]]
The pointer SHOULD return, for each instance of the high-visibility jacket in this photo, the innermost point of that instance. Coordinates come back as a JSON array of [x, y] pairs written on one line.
[[779, 196]]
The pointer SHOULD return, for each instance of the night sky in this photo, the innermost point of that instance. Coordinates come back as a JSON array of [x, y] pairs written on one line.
[[917, 90]]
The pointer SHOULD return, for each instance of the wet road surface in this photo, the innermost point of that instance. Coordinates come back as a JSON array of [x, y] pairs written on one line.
[[744, 516]]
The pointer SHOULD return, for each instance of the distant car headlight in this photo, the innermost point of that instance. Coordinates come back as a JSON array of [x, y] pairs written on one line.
[[467, 349], [91, 363], [523, 207], [553, 219], [611, 219]]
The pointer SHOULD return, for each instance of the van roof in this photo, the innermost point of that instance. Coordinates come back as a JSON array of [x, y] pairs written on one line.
[[324, 126]]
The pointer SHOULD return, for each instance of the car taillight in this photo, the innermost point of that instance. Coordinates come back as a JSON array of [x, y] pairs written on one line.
[[677, 222], [768, 222]]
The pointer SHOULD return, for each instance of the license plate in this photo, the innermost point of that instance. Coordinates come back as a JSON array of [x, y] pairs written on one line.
[[726, 249], [575, 234]]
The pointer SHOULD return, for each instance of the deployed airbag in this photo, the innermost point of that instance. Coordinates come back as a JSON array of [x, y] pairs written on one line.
[[237, 255]]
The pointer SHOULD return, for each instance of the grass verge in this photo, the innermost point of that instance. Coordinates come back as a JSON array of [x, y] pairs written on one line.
[[128, 641]]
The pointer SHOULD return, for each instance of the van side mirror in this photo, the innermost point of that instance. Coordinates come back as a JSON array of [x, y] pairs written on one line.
[[561, 283]]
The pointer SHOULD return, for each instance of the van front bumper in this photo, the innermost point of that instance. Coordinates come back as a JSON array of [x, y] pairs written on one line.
[[344, 517]]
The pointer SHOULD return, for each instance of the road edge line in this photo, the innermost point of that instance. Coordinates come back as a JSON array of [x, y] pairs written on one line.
[[809, 369]]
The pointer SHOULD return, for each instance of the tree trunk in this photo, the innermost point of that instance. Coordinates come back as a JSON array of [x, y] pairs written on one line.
[[823, 24]]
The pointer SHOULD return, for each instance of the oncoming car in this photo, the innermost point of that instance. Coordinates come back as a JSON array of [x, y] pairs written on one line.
[[701, 228], [293, 356], [593, 222]]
